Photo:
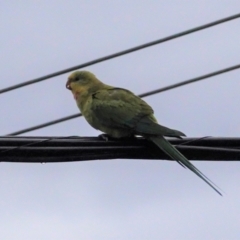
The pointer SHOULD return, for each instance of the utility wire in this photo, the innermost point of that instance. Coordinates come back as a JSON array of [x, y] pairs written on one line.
[[141, 95], [44, 149], [45, 124], [105, 58]]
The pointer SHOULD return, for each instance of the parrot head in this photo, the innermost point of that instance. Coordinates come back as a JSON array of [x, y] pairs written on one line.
[[82, 83], [80, 78]]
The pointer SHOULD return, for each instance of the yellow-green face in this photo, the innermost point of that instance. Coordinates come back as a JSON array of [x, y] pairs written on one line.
[[79, 78], [72, 79]]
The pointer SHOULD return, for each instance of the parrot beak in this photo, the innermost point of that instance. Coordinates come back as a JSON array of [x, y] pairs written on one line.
[[68, 85]]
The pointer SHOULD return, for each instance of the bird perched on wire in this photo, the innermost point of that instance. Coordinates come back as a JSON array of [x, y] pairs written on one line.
[[119, 113]]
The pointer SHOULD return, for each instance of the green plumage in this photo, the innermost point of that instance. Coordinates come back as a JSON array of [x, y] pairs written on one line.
[[120, 113]]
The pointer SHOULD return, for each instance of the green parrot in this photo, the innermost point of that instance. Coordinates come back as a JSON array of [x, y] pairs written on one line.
[[119, 113]]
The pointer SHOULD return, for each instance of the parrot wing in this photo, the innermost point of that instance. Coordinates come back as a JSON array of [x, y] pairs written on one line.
[[120, 108]]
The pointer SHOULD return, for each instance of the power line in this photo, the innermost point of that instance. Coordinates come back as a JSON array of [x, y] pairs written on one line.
[[196, 79], [54, 149], [141, 95], [130, 50], [45, 124]]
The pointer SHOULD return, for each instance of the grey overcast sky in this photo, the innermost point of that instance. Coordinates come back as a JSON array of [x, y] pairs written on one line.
[[120, 199]]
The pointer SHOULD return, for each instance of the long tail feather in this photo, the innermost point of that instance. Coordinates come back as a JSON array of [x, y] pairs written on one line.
[[172, 152]]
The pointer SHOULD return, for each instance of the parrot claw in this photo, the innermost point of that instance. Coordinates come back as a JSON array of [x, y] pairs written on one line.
[[105, 137]]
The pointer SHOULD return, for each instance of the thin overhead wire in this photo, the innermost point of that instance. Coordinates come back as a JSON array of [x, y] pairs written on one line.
[[182, 83], [45, 124], [196, 79], [118, 54]]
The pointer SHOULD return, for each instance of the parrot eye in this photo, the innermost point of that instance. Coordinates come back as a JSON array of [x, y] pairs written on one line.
[[75, 79]]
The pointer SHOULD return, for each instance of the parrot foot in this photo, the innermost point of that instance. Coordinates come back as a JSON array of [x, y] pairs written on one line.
[[105, 137]]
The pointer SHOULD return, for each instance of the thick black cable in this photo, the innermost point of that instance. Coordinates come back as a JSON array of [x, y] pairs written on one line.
[[66, 149], [105, 58], [140, 95]]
